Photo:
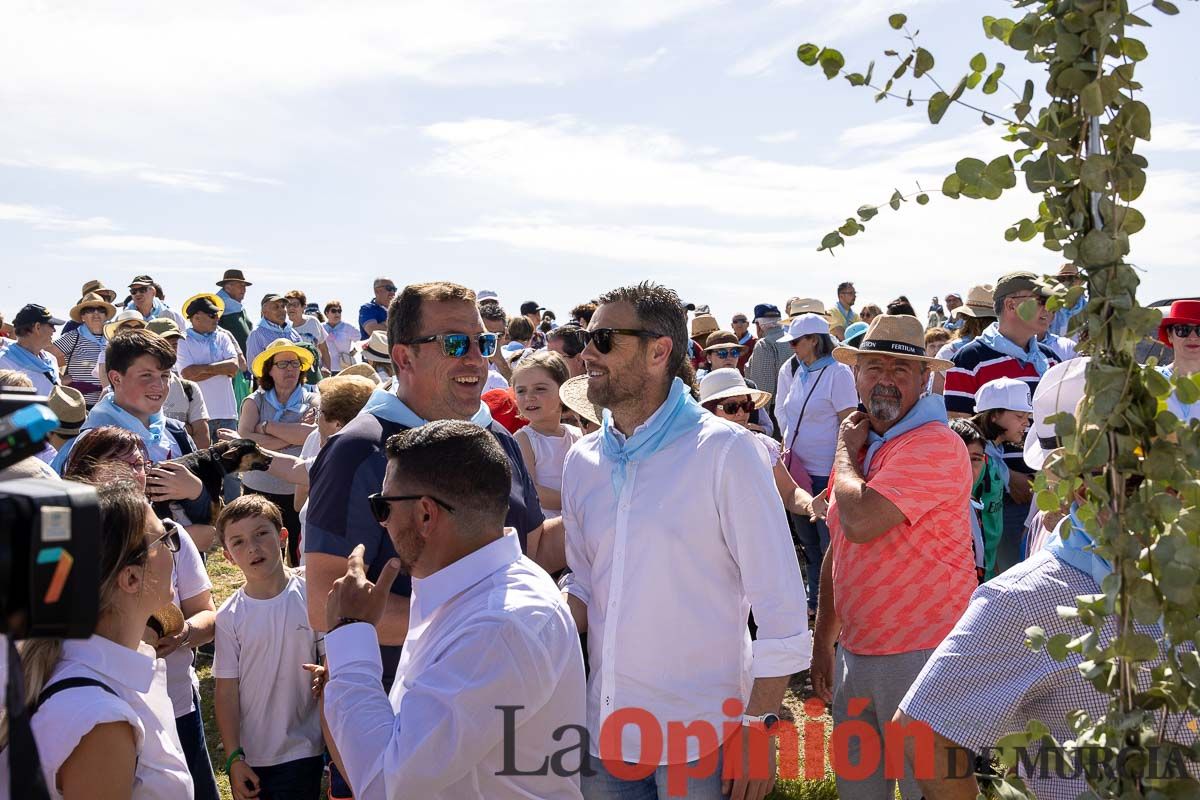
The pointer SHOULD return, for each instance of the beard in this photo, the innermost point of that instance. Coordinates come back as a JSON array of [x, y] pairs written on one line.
[[409, 547], [618, 387], [884, 404]]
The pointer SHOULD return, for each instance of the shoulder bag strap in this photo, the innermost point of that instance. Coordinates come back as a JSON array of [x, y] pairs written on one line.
[[807, 397]]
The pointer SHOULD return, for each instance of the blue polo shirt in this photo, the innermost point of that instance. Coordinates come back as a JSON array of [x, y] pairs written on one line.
[[370, 312], [350, 467]]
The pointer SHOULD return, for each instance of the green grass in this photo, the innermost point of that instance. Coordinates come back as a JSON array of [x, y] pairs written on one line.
[[226, 579]]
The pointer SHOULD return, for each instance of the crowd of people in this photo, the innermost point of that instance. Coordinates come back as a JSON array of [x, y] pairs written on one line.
[[503, 555]]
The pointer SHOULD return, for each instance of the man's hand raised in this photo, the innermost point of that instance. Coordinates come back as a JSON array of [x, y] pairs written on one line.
[[355, 597]]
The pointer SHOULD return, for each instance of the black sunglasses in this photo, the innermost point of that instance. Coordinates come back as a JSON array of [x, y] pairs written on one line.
[[94, 310], [1183, 331], [381, 504], [602, 338], [140, 289], [457, 345], [388, 288], [734, 406]]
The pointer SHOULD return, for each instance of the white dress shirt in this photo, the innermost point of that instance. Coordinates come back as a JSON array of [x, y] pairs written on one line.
[[670, 570], [489, 630]]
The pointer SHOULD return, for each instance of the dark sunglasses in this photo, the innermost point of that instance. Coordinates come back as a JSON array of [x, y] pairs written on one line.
[[732, 352], [1183, 331], [388, 288], [94, 310], [140, 289], [734, 406], [381, 504], [740, 321], [457, 345], [602, 338]]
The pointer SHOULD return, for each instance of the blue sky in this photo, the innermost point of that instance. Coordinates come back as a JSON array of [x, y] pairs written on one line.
[[548, 150]]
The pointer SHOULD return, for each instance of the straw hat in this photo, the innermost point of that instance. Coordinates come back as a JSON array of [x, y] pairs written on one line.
[[99, 288], [211, 297], [166, 621], [573, 395], [1067, 270], [68, 405], [804, 305], [703, 325], [91, 300], [896, 335], [127, 315], [376, 348], [980, 304], [282, 346], [728, 382], [361, 370]]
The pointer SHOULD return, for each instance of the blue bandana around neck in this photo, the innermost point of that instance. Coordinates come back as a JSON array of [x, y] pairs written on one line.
[[42, 362], [745, 338], [231, 306], [155, 312], [995, 454], [284, 330], [383, 403], [1062, 317], [930, 408], [847, 312], [678, 414], [1076, 550], [991, 337], [806, 370], [295, 403], [333, 330], [99, 341], [160, 444], [209, 340]]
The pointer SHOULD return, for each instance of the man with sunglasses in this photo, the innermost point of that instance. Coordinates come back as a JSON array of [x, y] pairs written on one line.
[[209, 356], [144, 299], [372, 315], [663, 578], [440, 352], [567, 341]]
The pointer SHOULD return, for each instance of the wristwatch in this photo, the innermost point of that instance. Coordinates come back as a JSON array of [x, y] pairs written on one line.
[[769, 721]]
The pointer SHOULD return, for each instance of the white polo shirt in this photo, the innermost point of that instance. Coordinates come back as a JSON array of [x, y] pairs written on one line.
[[217, 390]]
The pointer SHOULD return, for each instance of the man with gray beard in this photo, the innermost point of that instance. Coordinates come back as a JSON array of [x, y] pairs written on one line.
[[900, 569]]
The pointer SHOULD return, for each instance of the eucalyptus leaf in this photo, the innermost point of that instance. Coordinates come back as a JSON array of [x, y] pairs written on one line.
[[897, 21], [924, 62], [937, 106]]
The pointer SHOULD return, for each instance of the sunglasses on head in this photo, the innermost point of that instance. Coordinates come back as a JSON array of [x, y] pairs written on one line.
[[381, 504], [724, 352], [602, 338], [1183, 330], [457, 345], [732, 407]]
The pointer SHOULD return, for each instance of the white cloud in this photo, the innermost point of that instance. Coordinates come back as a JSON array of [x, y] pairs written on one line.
[[150, 245], [779, 137], [643, 63], [885, 132], [1173, 136], [51, 219], [194, 179]]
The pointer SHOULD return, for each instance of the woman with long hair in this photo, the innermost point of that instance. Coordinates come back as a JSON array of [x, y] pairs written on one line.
[[279, 416], [110, 733]]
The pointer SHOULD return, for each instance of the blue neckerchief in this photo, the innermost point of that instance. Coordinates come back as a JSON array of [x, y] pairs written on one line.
[[41, 362], [1076, 550], [954, 324], [995, 454], [1062, 317], [847, 312], [160, 444], [1033, 354], [284, 330], [806, 370], [960, 343], [155, 312], [678, 414], [930, 408], [231, 306], [99, 341], [295, 403], [209, 340], [333, 330], [383, 403], [745, 338]]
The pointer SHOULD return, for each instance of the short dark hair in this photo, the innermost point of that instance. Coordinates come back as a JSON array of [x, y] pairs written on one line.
[[333, 305], [246, 506], [661, 311], [129, 345], [584, 311], [901, 306], [520, 329], [404, 314], [967, 431], [844, 285], [460, 464], [494, 312], [572, 336], [24, 329]]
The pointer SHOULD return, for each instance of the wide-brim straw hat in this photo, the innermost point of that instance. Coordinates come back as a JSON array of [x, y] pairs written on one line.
[[361, 370], [704, 324], [282, 346], [210, 297], [128, 315], [980, 304], [99, 288], [895, 335], [91, 300], [804, 305], [68, 405], [168, 619], [728, 382], [376, 349], [573, 394]]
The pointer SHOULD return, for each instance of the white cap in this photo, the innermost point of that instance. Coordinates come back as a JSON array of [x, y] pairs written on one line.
[[1058, 392], [804, 325], [486, 294], [1003, 394]]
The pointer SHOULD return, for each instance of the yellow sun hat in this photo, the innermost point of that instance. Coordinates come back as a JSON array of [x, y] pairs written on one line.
[[282, 346]]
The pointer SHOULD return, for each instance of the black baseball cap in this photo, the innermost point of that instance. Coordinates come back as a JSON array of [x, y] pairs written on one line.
[[32, 313], [141, 280], [1015, 282], [530, 307]]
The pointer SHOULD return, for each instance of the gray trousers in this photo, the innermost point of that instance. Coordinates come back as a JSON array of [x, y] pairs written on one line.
[[882, 680]]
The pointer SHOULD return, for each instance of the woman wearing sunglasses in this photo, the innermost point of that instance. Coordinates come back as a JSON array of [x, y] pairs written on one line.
[[724, 392], [110, 732], [1180, 331], [279, 416]]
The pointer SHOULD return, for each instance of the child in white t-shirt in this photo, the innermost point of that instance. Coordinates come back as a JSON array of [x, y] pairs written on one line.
[[266, 705]]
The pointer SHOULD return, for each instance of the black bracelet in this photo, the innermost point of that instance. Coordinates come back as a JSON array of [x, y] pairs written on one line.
[[344, 621]]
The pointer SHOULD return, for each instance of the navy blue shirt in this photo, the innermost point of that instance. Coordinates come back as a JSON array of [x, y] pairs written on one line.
[[350, 467], [370, 312]]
